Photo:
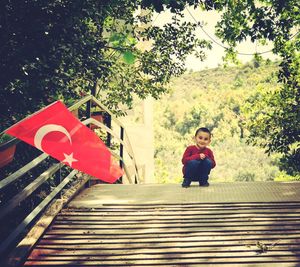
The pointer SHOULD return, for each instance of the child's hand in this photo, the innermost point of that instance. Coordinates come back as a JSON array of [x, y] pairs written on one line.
[[202, 156]]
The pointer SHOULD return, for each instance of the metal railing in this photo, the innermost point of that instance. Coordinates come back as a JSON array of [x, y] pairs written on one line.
[[88, 103]]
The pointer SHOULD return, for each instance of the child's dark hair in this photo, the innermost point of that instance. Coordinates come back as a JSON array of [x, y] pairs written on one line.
[[203, 129]]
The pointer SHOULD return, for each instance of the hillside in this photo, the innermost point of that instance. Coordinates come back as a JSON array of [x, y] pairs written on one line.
[[214, 98]]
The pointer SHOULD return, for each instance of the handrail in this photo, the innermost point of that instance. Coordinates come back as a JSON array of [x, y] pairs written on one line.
[[14, 176], [55, 169], [7, 242], [120, 124], [93, 99], [97, 102], [80, 103], [99, 124], [13, 202]]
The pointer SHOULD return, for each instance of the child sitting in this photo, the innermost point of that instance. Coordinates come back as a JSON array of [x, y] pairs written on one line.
[[198, 159]]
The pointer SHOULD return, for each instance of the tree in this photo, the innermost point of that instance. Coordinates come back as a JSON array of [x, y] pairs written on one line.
[[275, 115], [59, 49], [278, 127]]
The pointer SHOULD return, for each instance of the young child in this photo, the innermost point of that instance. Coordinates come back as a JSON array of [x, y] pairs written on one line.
[[198, 159]]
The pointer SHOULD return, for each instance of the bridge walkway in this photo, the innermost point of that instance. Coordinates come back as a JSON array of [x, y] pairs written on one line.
[[226, 224]]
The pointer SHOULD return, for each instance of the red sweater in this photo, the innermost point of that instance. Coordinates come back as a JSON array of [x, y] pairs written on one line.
[[193, 153]]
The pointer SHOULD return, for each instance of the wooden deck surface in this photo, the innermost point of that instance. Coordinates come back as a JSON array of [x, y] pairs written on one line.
[[234, 224]]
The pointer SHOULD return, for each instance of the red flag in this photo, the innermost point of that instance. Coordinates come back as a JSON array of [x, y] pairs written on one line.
[[55, 131]]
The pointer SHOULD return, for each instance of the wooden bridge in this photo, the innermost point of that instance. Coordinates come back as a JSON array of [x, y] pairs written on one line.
[[226, 224]]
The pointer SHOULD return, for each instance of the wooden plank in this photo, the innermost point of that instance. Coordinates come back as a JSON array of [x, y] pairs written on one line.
[[115, 221], [170, 240], [99, 247], [88, 255], [183, 229], [177, 216], [184, 213], [206, 264], [102, 225], [167, 260], [123, 221], [188, 211], [203, 237], [148, 218], [184, 207], [194, 204]]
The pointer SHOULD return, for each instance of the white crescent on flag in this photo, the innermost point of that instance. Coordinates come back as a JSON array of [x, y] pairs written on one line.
[[48, 128]]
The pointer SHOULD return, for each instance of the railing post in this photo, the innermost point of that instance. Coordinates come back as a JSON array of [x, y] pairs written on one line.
[[88, 115], [88, 109], [121, 150], [108, 124], [58, 178]]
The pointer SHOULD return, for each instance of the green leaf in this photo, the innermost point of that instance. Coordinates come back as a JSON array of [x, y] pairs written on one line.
[[132, 40], [128, 57], [115, 37]]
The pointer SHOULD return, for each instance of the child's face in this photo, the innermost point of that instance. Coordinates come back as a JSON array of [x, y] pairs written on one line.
[[202, 139]]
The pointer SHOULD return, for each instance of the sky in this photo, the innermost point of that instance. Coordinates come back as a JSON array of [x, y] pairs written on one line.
[[214, 56]]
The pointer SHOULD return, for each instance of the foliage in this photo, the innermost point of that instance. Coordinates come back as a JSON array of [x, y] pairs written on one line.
[[45, 48], [262, 21], [275, 122], [274, 116], [284, 177], [59, 49], [5, 138], [215, 99]]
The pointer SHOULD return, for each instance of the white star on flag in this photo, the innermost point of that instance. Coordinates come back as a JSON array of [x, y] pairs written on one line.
[[69, 159]]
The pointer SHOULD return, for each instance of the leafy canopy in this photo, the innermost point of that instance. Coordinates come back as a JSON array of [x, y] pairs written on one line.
[[275, 122], [60, 49]]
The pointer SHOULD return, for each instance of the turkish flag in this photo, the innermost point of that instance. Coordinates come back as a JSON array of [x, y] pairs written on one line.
[[55, 131]]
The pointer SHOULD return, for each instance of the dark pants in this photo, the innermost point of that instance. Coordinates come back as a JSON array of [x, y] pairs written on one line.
[[197, 171]]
